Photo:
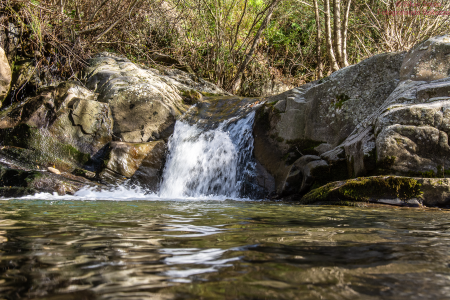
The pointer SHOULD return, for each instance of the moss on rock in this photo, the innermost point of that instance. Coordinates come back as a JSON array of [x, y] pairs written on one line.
[[191, 97], [364, 189], [35, 147]]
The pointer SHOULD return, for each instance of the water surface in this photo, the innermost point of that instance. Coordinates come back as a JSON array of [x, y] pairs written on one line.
[[65, 249]]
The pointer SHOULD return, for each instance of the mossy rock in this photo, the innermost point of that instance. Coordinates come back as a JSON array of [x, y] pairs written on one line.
[[191, 97], [18, 183], [17, 178], [37, 147], [365, 189], [15, 192]]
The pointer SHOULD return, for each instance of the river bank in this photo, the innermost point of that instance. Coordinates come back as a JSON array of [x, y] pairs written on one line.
[[380, 125]]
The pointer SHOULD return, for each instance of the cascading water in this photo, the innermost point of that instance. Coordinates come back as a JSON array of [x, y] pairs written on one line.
[[215, 162], [210, 157]]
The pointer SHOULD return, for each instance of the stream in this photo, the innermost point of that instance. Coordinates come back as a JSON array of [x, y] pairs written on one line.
[[211, 249], [204, 234]]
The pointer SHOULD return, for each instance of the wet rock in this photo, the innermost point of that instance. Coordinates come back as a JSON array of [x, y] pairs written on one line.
[[191, 97], [392, 190], [5, 76], [18, 183], [148, 175], [126, 158], [264, 179], [365, 189]]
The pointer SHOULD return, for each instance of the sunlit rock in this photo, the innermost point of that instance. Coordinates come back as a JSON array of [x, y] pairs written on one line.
[[125, 159], [5, 76]]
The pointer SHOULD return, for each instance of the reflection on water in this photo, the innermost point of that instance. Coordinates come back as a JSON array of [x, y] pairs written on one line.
[[220, 250]]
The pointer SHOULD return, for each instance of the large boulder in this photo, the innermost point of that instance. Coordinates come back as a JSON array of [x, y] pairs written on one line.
[[5, 76], [394, 190], [386, 115], [144, 107], [144, 102], [318, 116], [143, 162], [63, 126], [427, 61]]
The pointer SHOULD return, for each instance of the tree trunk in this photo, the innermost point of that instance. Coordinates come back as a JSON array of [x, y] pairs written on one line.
[[333, 63], [337, 31], [318, 41], [235, 82], [344, 34]]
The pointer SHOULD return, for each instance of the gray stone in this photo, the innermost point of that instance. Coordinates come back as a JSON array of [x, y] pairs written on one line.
[[319, 116], [143, 105], [79, 119], [428, 60]]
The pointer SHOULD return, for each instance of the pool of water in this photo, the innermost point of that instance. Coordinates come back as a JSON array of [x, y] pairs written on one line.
[[64, 249]]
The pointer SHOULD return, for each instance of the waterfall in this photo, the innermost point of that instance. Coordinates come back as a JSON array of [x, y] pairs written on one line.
[[214, 162]]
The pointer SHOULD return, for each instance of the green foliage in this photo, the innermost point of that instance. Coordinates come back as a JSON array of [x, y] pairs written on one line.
[[210, 37]]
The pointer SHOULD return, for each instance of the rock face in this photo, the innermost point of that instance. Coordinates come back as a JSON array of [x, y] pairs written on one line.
[[427, 61], [62, 126], [386, 115], [144, 102], [5, 76], [125, 159], [114, 122]]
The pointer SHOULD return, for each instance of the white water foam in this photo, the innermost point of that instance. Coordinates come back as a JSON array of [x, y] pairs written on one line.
[[210, 163], [201, 165]]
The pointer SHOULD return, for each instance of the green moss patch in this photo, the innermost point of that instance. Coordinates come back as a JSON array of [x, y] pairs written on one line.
[[340, 100], [191, 97], [17, 178], [364, 189], [38, 148]]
